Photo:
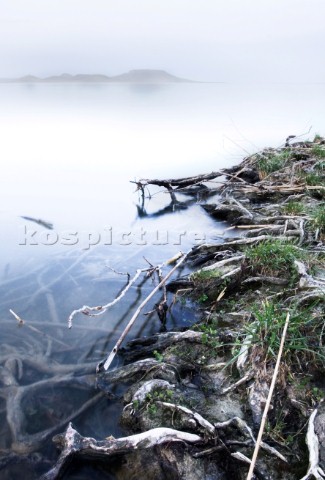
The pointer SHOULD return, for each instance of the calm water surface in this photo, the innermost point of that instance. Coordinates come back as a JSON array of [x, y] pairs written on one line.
[[68, 153]]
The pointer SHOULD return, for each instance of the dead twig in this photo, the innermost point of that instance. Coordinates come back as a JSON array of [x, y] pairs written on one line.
[[100, 309]]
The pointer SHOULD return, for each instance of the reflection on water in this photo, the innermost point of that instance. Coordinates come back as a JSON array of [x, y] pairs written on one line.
[[69, 153]]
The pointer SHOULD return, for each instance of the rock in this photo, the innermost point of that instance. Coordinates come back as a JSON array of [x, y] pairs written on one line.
[[231, 213], [172, 463], [258, 393], [220, 409]]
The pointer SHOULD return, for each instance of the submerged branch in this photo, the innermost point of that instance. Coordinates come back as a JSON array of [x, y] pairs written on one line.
[[100, 309], [116, 347]]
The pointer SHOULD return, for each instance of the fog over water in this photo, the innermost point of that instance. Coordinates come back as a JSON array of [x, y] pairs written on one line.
[[70, 151], [209, 40]]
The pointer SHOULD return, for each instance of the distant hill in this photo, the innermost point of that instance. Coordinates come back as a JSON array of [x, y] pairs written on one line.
[[148, 76], [29, 78], [133, 76], [66, 78]]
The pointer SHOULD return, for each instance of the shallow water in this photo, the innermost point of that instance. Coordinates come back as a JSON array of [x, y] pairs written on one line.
[[68, 153]]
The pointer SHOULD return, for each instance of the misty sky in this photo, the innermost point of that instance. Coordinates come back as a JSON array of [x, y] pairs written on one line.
[[228, 40]]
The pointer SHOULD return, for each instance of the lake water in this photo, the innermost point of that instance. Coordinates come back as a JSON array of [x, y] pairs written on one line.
[[68, 153]]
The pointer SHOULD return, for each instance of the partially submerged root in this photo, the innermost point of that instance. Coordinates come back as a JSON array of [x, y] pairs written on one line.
[[143, 346], [73, 444]]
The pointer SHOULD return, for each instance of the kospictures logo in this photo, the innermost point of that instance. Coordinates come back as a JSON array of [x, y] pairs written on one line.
[[109, 236]]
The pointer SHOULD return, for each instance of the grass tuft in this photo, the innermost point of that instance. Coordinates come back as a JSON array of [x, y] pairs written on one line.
[[318, 218], [302, 338], [318, 151], [273, 163], [293, 208], [312, 178], [273, 258]]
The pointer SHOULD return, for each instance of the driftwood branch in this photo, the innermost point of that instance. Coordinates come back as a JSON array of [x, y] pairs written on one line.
[[240, 382], [116, 347], [265, 279], [197, 419], [100, 309], [306, 280], [130, 371], [74, 444], [222, 263], [179, 182]]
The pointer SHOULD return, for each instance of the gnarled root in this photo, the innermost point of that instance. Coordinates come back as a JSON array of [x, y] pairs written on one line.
[[74, 444]]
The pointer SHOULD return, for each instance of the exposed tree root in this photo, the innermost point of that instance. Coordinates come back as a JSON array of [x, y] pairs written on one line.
[[73, 444]]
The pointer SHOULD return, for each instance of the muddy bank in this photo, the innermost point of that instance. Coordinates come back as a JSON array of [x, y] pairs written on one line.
[[194, 400]]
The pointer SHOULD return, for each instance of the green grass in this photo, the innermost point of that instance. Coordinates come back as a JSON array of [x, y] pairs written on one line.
[[210, 335], [206, 274], [315, 178], [302, 343], [162, 395], [293, 208], [273, 162], [320, 166], [312, 178], [318, 151], [203, 298], [158, 356], [317, 138], [318, 218], [273, 258], [303, 349]]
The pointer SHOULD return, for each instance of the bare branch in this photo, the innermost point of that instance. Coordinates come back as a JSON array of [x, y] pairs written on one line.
[[111, 356], [119, 273], [202, 422], [100, 309]]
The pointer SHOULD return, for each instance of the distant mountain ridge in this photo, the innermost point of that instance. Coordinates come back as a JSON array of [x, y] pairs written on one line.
[[143, 76]]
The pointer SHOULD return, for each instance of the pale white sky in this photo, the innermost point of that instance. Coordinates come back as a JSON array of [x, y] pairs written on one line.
[[228, 40]]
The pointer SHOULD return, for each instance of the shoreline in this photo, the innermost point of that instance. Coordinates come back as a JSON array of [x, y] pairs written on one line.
[[195, 398]]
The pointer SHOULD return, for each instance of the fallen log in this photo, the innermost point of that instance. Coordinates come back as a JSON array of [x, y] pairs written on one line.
[[179, 182]]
